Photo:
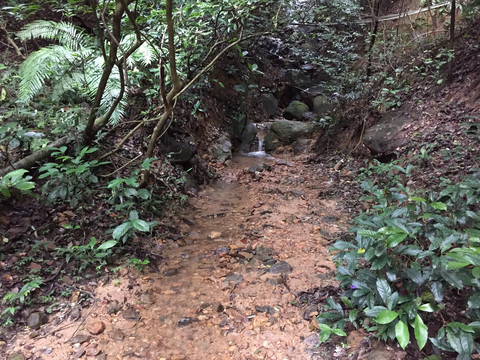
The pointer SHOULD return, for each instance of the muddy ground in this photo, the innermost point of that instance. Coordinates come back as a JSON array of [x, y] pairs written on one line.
[[244, 278]]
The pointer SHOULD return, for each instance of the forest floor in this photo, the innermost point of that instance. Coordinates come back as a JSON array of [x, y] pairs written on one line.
[[244, 278]]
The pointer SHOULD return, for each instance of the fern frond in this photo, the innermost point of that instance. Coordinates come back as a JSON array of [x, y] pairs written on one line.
[[145, 54], [67, 34]]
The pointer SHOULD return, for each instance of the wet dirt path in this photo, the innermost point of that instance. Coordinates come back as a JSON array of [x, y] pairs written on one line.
[[226, 288]]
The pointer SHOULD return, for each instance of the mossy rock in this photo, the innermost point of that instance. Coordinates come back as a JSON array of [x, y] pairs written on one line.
[[295, 110]]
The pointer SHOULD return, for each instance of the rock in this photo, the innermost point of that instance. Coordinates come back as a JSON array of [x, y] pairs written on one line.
[[96, 327], [312, 340], [298, 78], [147, 298], [92, 350], [101, 357], [269, 104], [255, 168], [295, 110], [281, 267], [330, 219], [75, 313], [79, 339], [322, 105], [222, 149], [233, 278], [16, 356], [116, 334], [308, 116], [245, 255], [36, 319], [180, 151], [297, 192], [380, 354], [185, 321], [265, 309], [283, 132], [214, 235], [388, 134], [302, 146], [170, 272], [67, 280], [131, 314], [114, 307], [80, 352], [247, 137]]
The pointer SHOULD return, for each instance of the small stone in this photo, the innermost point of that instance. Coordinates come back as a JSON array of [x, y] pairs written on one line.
[[33, 335], [67, 280], [16, 356], [36, 319], [75, 313], [170, 272], [214, 235], [35, 266], [101, 357], [185, 321], [80, 352], [131, 314], [379, 354], [281, 267], [2, 343], [116, 334], [79, 339], [113, 307], [312, 340], [265, 309], [245, 255], [330, 219], [96, 327], [92, 351]]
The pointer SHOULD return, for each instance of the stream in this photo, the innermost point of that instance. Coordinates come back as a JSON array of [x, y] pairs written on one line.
[[228, 287]]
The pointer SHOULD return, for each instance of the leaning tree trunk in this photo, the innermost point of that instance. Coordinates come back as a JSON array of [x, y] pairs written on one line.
[[452, 39]]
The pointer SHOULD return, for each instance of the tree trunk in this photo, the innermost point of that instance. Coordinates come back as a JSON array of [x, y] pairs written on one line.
[[452, 39]]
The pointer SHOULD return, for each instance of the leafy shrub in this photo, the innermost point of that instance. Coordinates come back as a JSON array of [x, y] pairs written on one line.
[[69, 178], [411, 255], [15, 182]]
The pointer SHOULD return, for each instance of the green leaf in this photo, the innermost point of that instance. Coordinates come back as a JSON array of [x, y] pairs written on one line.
[[121, 230], [386, 316], [421, 332], [402, 334], [462, 326], [439, 206], [107, 245], [476, 272], [395, 239], [426, 308], [474, 301], [339, 332], [383, 289], [460, 341], [437, 291], [140, 225]]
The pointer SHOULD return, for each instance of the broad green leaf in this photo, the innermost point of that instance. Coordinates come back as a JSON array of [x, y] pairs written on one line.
[[402, 334], [439, 206], [140, 225], [386, 317], [421, 332], [437, 291], [462, 326], [383, 289], [476, 272], [107, 245], [426, 308], [460, 341], [121, 230], [474, 301], [395, 239], [339, 332]]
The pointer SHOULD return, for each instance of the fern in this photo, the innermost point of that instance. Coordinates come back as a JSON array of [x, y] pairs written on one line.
[[74, 64]]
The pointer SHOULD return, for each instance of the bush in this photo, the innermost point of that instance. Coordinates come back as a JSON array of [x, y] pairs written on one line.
[[413, 256]]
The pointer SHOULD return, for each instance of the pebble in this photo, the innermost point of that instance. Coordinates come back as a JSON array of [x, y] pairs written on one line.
[[96, 327], [113, 307], [79, 339], [116, 334], [16, 356], [36, 319], [214, 235], [131, 314], [80, 352], [281, 267]]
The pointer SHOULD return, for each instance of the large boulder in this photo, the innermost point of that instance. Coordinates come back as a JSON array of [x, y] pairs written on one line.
[[284, 132], [298, 78], [222, 149], [247, 137], [181, 151], [389, 133], [322, 105], [269, 104], [295, 110]]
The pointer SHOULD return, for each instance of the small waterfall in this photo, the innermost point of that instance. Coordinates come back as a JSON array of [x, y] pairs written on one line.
[[261, 136], [262, 130]]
